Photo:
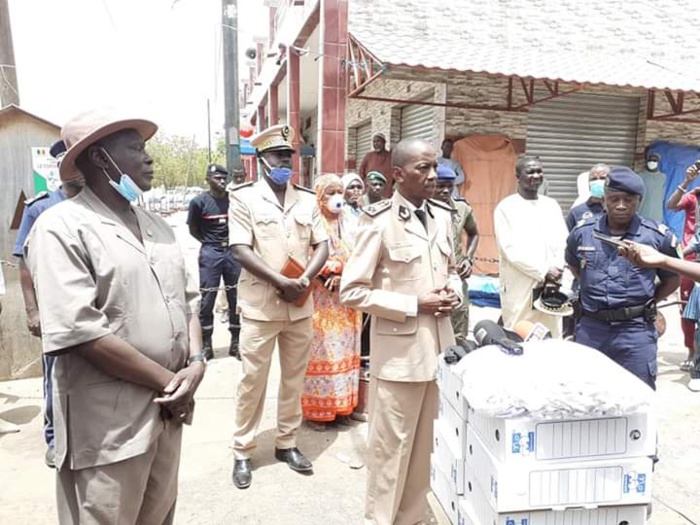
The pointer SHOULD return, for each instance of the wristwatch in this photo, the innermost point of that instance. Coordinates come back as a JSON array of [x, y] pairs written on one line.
[[305, 282], [195, 358]]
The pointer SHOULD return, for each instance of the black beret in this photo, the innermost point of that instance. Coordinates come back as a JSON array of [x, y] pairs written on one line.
[[216, 168]]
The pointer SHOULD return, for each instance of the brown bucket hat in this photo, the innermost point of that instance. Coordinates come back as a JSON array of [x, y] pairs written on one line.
[[83, 130]]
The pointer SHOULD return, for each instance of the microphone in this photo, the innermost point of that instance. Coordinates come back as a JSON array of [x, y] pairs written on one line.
[[530, 331], [455, 353], [489, 333]]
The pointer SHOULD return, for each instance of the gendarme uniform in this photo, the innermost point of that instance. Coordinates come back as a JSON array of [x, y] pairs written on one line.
[[273, 232], [617, 297]]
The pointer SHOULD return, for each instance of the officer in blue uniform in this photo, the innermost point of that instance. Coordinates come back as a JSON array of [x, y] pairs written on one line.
[[208, 223], [618, 299], [32, 209]]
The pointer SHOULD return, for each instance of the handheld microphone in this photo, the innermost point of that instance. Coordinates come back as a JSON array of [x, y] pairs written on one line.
[[489, 333], [530, 331]]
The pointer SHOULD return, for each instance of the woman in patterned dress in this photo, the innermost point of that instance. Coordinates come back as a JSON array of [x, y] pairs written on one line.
[[332, 375]]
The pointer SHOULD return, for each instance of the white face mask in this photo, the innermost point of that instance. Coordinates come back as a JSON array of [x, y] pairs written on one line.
[[335, 203], [652, 165]]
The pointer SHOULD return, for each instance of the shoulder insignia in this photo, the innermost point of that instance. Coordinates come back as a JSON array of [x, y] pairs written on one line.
[[303, 188], [583, 221], [440, 204], [662, 228], [36, 198], [239, 186], [378, 207]]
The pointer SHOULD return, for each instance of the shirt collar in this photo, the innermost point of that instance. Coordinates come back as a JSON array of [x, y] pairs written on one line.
[[632, 229]]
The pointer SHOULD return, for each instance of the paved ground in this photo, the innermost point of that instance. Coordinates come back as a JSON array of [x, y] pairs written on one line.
[[334, 494]]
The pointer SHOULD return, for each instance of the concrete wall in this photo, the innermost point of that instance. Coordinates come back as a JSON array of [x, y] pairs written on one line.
[[19, 351], [482, 89]]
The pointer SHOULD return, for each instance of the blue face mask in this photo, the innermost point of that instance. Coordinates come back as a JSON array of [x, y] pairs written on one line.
[[126, 187], [597, 188], [279, 175]]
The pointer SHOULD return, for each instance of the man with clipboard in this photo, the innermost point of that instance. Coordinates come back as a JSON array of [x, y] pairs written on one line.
[[273, 226]]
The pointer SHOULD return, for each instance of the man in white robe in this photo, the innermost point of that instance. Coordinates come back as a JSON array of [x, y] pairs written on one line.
[[531, 236]]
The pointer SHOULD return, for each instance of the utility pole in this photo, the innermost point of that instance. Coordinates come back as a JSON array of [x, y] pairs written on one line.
[[229, 26], [9, 92]]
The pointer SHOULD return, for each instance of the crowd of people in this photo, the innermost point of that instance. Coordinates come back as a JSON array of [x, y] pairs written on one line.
[[372, 262]]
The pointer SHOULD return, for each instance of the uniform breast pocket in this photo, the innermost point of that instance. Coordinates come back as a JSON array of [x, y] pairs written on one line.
[[266, 226], [443, 259], [302, 223], [405, 262]]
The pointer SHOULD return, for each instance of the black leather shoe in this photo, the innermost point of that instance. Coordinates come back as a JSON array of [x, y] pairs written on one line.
[[207, 350], [241, 473], [233, 350], [294, 458]]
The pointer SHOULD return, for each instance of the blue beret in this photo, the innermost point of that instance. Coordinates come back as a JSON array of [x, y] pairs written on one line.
[[624, 179], [444, 172]]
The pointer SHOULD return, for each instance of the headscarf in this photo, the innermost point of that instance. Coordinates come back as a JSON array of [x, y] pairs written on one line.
[[349, 178], [322, 184], [338, 249]]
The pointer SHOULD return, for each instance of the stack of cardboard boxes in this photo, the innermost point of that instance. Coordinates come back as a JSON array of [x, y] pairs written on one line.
[[494, 471]]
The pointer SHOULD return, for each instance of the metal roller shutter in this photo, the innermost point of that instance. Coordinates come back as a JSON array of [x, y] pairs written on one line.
[[572, 133], [363, 142], [418, 122]]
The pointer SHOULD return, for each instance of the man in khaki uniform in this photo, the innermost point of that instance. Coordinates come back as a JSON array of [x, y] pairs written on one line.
[[402, 273], [119, 310], [463, 223], [271, 221]]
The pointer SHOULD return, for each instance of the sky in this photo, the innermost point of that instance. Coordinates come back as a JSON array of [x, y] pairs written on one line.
[[159, 59]]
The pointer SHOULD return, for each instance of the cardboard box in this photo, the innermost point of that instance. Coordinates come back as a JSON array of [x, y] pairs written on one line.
[[455, 426], [448, 455], [544, 485], [449, 381], [475, 509], [524, 439], [442, 487]]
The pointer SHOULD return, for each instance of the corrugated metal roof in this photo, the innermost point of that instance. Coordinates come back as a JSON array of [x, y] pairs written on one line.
[[652, 44]]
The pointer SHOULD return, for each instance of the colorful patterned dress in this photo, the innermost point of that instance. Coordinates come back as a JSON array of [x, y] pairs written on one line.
[[332, 375]]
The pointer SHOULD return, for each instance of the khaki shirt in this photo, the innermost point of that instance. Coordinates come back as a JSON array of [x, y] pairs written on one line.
[[394, 262], [94, 278], [274, 232], [462, 220]]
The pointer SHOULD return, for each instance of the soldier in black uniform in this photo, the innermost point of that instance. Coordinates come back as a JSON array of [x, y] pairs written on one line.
[[208, 222]]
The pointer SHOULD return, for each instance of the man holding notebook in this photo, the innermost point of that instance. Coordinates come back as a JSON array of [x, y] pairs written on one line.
[[273, 225]]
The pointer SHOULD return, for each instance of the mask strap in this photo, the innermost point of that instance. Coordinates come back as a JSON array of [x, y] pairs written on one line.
[[267, 164], [114, 164]]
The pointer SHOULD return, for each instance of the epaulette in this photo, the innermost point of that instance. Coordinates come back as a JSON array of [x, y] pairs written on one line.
[[239, 186], [440, 204], [303, 188], [36, 198], [584, 221], [378, 207]]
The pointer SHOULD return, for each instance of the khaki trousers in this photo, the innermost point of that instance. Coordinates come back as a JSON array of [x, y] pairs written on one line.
[[137, 491], [257, 342], [398, 450]]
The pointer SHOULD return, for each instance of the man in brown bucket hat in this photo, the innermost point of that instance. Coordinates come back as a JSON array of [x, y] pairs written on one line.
[[120, 311]]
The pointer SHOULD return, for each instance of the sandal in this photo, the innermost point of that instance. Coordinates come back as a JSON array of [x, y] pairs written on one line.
[[318, 427]]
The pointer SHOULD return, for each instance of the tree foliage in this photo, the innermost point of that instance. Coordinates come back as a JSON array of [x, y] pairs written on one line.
[[180, 161]]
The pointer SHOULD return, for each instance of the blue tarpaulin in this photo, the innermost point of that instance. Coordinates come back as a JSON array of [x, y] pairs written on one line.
[[675, 159], [484, 291]]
